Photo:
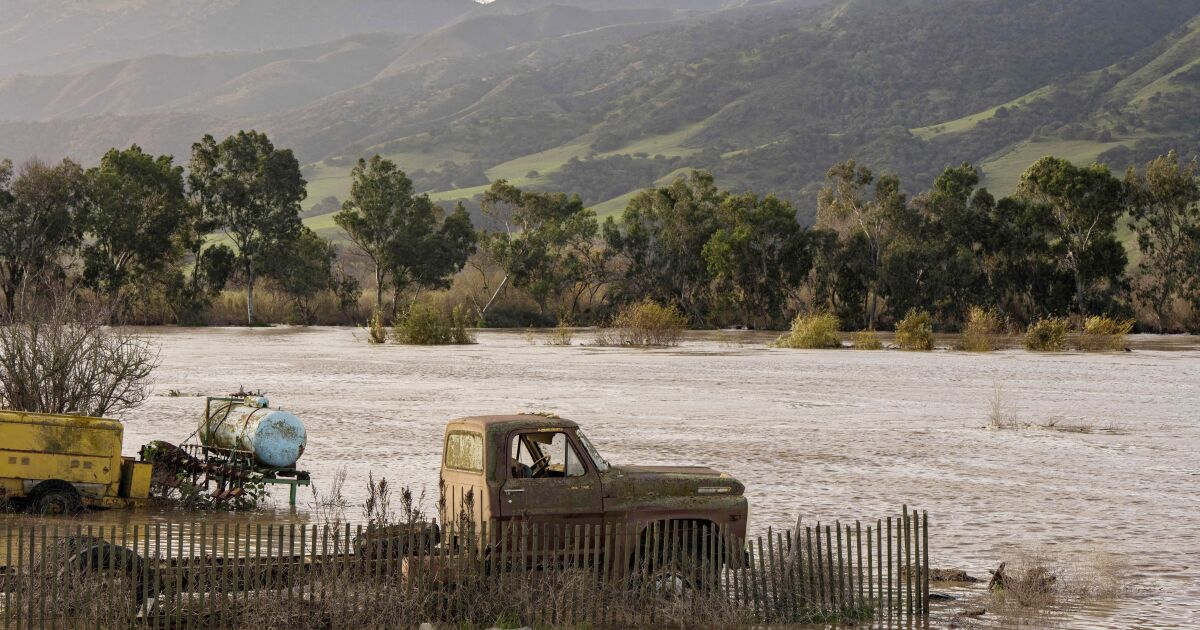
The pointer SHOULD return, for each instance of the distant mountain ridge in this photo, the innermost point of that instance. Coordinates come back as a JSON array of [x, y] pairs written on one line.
[[48, 36], [767, 95]]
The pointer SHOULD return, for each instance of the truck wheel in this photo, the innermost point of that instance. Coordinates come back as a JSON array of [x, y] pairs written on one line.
[[55, 498], [678, 570], [89, 569]]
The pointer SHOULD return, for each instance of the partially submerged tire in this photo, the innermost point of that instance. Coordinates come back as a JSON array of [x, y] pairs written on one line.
[[89, 569], [55, 498], [681, 568]]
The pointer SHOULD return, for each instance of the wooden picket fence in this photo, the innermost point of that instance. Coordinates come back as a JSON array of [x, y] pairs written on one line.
[[197, 575]]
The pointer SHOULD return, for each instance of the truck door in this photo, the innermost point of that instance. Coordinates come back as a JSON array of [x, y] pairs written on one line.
[[550, 480]]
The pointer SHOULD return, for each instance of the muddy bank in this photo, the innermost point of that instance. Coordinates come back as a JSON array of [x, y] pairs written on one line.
[[825, 434]]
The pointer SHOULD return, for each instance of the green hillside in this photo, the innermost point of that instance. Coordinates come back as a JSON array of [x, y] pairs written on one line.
[[606, 101]]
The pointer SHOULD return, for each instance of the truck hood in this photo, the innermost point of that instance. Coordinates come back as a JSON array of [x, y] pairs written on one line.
[[641, 483]]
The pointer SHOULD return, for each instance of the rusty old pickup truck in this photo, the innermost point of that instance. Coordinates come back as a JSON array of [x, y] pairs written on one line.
[[501, 470]]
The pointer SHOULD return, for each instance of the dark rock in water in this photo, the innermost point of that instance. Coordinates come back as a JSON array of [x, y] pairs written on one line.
[[973, 612], [941, 597], [950, 575]]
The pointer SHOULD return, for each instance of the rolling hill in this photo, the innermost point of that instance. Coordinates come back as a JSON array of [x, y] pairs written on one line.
[[48, 36], [560, 94]]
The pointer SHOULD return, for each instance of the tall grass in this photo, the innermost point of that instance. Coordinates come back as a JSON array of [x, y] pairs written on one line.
[[1048, 334], [375, 331], [1031, 581], [647, 324], [1104, 334], [813, 331], [915, 331], [562, 335], [867, 340], [983, 330]]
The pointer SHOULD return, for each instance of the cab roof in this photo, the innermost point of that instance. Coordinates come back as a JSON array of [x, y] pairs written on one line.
[[487, 424]]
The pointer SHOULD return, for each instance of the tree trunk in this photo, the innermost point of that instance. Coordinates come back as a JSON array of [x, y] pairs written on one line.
[[499, 289], [10, 298], [1079, 290], [250, 292], [379, 289], [872, 305]]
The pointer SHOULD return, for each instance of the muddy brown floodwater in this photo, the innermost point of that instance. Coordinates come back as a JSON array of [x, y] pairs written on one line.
[[822, 434]]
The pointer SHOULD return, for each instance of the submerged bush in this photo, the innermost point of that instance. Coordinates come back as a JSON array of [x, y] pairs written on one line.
[[562, 335], [375, 331], [422, 325], [645, 323], [818, 330], [867, 340], [1048, 334], [915, 331], [983, 330], [1104, 334], [459, 335]]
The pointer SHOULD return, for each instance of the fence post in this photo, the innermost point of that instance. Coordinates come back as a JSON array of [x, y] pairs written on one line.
[[925, 560], [773, 598], [889, 566], [914, 576], [908, 577], [858, 544], [870, 571]]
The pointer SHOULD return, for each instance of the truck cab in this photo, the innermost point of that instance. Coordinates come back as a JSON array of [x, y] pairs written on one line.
[[536, 469]]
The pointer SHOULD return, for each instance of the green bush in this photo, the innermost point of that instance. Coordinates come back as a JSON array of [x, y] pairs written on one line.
[[867, 340], [1048, 334], [983, 330], [1104, 334], [422, 325], [818, 330], [915, 331], [645, 323]]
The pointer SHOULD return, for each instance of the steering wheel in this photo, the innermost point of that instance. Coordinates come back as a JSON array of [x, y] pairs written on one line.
[[540, 466]]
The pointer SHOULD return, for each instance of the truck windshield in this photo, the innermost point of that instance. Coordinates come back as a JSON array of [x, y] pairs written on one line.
[[601, 464]]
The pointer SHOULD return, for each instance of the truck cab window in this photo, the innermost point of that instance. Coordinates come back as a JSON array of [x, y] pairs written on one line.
[[544, 455]]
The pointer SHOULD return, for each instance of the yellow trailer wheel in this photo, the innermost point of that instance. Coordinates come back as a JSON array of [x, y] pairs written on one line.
[[55, 498]]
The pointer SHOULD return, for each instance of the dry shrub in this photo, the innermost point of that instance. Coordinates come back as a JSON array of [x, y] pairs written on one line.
[[644, 324], [1048, 334], [915, 331], [272, 306], [1104, 334], [58, 357], [1037, 580], [375, 331], [867, 340], [1001, 415], [983, 330], [815, 331], [562, 335]]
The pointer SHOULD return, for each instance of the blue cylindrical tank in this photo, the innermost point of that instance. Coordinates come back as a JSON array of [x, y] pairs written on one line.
[[276, 438]]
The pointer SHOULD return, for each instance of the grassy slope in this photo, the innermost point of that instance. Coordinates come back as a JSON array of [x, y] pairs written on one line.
[[967, 123], [1002, 171], [325, 180]]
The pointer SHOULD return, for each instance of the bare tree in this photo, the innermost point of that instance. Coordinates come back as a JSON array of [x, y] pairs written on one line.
[[59, 357]]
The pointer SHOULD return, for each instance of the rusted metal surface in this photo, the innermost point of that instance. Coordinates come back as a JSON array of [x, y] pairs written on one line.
[[277, 438], [581, 490], [44, 456]]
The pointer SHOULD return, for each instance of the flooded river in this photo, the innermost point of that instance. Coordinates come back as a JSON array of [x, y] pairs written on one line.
[[821, 434]]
